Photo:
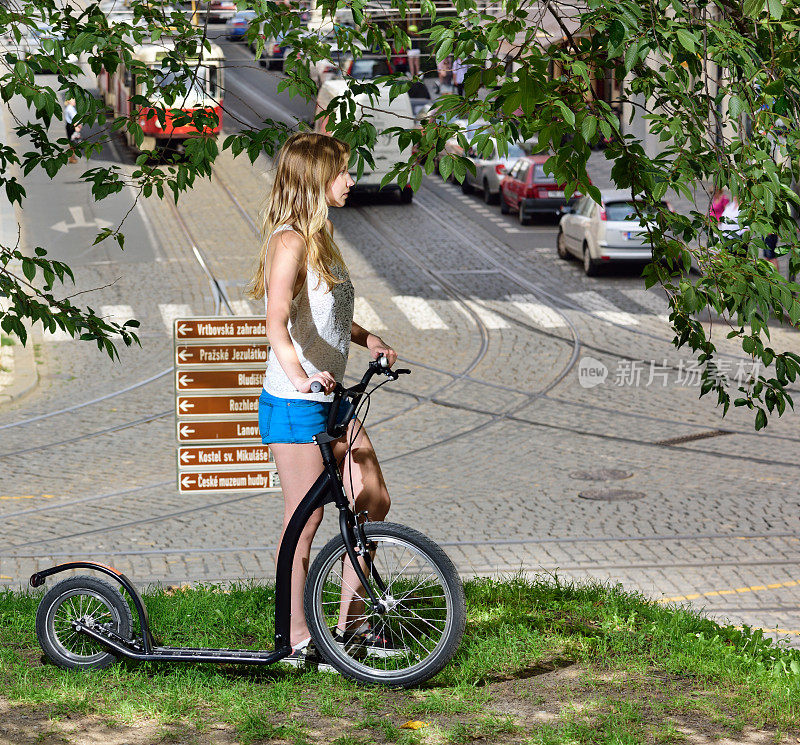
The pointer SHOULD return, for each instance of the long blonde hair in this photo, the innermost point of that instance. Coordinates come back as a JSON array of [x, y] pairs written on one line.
[[307, 164]]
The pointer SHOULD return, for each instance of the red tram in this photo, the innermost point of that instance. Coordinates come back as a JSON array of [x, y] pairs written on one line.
[[203, 90]]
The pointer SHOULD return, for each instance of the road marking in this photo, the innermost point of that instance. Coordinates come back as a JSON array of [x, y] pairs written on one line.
[[489, 318], [793, 632], [241, 308], [654, 302], [513, 230], [735, 591], [26, 496], [79, 221], [116, 313], [419, 312], [365, 316], [59, 334], [171, 311], [541, 315], [595, 303]]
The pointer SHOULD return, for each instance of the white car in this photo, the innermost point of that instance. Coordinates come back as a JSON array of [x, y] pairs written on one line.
[[601, 233], [489, 171]]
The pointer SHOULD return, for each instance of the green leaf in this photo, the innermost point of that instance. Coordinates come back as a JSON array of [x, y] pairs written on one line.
[[686, 40], [589, 127], [752, 8], [775, 8], [761, 419]]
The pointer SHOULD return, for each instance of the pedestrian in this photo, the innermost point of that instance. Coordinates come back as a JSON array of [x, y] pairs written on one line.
[[73, 130], [719, 201], [459, 72], [413, 53], [399, 59], [309, 317], [444, 70]]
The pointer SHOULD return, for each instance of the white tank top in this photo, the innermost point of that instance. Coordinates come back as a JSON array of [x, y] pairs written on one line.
[[319, 326]]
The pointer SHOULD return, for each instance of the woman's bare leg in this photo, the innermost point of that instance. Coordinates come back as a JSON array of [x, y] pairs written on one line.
[[298, 469], [367, 492]]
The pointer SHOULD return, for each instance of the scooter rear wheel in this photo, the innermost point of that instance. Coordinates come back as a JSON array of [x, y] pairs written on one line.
[[90, 601], [423, 609]]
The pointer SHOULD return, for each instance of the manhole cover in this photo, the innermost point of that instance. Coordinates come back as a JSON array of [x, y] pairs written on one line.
[[611, 495], [601, 474]]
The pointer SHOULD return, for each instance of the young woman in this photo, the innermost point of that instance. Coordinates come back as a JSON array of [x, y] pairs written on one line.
[[309, 306]]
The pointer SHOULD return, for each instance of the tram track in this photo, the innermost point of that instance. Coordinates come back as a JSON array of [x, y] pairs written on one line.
[[538, 289], [456, 377]]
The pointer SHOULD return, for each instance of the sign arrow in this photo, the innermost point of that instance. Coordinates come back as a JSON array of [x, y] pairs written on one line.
[[184, 380], [186, 482], [186, 457], [183, 328], [184, 406], [185, 431], [183, 354], [79, 221]]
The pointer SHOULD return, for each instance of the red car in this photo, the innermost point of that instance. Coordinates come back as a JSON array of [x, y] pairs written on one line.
[[528, 190]]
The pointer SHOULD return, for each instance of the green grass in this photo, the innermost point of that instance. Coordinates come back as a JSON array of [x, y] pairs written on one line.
[[541, 662]]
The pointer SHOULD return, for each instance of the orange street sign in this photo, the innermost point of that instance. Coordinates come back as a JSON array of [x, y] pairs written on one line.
[[206, 481], [232, 405], [223, 329], [215, 380], [222, 354], [211, 456], [231, 430]]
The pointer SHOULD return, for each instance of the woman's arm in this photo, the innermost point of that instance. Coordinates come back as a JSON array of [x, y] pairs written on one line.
[[376, 345], [288, 260]]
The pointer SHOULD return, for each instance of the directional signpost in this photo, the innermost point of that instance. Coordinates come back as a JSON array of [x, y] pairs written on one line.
[[219, 371]]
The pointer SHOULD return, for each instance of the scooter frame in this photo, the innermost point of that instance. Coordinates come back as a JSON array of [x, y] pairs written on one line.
[[328, 488]]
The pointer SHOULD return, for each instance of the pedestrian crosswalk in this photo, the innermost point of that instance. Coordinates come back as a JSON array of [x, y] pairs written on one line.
[[595, 303], [436, 314]]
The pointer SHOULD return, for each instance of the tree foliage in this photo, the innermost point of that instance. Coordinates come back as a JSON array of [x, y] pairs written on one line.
[[716, 82]]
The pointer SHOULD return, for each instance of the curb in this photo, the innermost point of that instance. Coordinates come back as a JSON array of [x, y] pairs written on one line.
[[22, 368], [19, 375]]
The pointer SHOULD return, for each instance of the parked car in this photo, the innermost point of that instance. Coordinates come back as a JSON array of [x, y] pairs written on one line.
[[272, 53], [236, 26], [331, 69], [489, 171], [218, 11], [367, 67], [527, 190], [606, 232]]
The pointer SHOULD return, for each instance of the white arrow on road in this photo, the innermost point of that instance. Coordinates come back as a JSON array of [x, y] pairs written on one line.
[[185, 431], [184, 380], [183, 354], [186, 457], [185, 406], [186, 482], [79, 221]]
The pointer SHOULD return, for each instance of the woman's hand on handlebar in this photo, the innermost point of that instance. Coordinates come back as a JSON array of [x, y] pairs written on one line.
[[378, 347], [324, 378]]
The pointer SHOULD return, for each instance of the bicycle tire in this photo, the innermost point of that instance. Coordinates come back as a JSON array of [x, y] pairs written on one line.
[[96, 600], [401, 556]]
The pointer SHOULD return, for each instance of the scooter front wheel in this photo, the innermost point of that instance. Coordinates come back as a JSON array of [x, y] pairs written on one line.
[[91, 602], [422, 612]]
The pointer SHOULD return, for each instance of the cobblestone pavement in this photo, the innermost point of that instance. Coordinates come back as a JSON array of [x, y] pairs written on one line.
[[487, 446]]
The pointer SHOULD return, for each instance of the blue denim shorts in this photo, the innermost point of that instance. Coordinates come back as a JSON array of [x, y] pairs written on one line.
[[294, 420]]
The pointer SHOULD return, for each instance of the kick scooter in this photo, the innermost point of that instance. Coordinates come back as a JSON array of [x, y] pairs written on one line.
[[407, 590]]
